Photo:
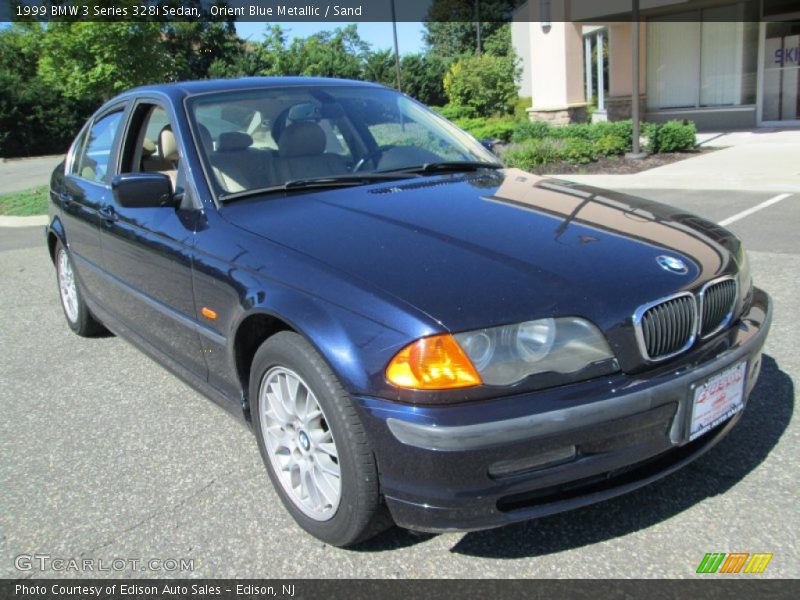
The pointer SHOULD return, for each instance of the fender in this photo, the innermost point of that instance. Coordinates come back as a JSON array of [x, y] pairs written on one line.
[[357, 354], [52, 231], [264, 278]]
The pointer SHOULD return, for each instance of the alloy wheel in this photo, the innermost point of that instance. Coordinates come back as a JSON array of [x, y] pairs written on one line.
[[299, 443], [67, 287]]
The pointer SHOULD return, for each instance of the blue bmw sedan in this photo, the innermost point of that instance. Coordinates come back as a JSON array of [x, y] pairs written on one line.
[[415, 334]]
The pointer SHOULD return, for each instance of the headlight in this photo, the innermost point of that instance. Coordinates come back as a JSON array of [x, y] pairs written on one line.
[[506, 355], [499, 355]]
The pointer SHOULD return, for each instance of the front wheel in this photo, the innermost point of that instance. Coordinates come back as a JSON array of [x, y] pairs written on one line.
[[79, 317], [313, 444]]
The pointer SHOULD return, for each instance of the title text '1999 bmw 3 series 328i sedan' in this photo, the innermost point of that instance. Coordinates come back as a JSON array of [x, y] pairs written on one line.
[[415, 334]]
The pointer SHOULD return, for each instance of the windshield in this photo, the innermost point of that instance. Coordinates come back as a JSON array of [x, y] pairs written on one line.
[[266, 138]]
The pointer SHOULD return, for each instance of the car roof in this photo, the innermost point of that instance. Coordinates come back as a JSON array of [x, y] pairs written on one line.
[[182, 89]]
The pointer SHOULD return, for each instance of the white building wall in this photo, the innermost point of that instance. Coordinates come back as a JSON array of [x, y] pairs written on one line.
[[521, 42]]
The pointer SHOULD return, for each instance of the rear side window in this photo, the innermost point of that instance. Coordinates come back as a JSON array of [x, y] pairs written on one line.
[[92, 161]]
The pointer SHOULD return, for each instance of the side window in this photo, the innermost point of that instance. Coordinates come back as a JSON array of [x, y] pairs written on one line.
[[151, 145], [155, 124], [74, 158], [92, 162]]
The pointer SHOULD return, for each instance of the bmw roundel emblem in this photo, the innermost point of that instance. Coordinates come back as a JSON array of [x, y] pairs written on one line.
[[672, 264]]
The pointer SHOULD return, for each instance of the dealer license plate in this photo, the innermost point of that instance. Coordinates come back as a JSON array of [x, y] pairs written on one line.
[[718, 399]]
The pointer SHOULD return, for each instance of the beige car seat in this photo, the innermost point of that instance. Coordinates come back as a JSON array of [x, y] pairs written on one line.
[[239, 167], [301, 148]]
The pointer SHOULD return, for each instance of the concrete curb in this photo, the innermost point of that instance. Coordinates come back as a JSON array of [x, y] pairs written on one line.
[[34, 221]]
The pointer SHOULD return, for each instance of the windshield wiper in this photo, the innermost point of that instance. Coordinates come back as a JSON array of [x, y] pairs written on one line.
[[341, 180], [443, 167], [351, 179]]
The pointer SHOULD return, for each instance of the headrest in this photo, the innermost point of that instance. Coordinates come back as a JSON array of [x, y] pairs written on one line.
[[148, 147], [167, 144], [302, 139], [233, 140], [206, 141]]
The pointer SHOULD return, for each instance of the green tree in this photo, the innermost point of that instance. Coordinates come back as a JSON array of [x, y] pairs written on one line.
[[379, 67], [422, 78], [486, 83], [34, 119], [192, 46], [20, 48], [499, 42], [100, 59], [450, 30], [272, 56], [339, 53]]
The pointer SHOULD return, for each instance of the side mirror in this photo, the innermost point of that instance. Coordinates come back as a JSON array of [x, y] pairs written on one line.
[[143, 190]]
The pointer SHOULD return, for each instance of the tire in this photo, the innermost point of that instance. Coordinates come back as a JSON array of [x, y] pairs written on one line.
[[78, 316], [359, 512]]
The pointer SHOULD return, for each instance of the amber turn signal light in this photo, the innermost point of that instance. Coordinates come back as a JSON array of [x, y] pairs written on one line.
[[432, 363]]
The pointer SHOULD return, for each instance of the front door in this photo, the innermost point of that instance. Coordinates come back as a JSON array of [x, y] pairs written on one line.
[[148, 251]]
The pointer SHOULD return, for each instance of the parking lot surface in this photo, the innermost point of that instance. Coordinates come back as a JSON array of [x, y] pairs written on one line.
[[23, 173], [105, 455]]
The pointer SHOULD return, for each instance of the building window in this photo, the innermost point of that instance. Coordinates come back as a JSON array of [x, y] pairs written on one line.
[[782, 72], [702, 58]]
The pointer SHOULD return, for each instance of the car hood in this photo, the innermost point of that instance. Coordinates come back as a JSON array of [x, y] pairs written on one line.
[[474, 250]]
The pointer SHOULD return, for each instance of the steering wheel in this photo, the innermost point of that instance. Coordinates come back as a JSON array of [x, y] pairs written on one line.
[[372, 156]]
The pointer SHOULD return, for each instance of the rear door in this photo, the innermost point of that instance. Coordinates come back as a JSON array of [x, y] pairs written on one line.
[[86, 189]]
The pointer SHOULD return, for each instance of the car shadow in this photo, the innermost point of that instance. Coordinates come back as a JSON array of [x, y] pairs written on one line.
[[767, 416]]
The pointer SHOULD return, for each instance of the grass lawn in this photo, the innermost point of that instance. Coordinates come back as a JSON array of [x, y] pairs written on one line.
[[25, 203]]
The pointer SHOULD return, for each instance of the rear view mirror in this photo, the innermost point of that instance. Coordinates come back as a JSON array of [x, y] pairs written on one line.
[[143, 190]]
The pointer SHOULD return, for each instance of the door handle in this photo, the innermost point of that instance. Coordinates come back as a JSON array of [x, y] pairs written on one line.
[[107, 213], [66, 197]]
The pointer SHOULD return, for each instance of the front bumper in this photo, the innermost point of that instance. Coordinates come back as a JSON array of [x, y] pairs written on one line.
[[489, 463]]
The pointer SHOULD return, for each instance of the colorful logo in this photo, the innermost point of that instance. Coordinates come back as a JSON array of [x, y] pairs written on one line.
[[734, 562]]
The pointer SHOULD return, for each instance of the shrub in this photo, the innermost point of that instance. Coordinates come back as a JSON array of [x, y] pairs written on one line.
[[493, 129], [650, 132], [454, 111], [521, 107], [620, 129], [538, 143], [485, 82], [612, 145], [533, 153], [573, 130], [467, 124], [530, 130], [577, 150], [676, 136]]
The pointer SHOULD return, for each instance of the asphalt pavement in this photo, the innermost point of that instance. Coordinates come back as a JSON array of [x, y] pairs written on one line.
[[18, 174], [105, 455]]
